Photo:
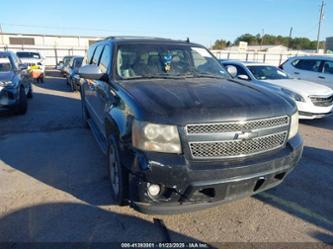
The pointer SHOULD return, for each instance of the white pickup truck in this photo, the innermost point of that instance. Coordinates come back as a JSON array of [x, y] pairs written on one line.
[[32, 58]]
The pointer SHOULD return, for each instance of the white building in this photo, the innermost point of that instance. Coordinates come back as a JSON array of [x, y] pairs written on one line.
[[52, 47]]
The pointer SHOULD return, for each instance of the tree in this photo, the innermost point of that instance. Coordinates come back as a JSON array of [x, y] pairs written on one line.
[[221, 44]]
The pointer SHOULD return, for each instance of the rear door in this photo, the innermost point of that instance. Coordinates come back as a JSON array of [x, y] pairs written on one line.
[[306, 69], [326, 75]]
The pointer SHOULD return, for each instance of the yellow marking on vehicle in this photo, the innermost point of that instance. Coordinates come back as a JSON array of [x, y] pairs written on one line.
[[296, 207]]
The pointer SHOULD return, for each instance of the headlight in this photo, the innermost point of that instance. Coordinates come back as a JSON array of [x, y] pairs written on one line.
[[294, 96], [6, 83], [156, 137], [293, 125]]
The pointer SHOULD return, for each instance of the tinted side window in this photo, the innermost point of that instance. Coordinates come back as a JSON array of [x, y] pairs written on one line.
[[309, 65], [328, 67], [90, 53], [105, 62], [97, 55]]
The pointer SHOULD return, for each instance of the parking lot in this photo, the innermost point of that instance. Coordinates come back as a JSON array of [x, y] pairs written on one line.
[[54, 187]]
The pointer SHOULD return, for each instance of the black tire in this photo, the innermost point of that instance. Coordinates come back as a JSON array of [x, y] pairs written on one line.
[[22, 104], [85, 114], [72, 86], [117, 173], [29, 95]]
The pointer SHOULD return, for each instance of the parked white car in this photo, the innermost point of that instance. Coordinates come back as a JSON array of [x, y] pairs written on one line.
[[317, 69], [313, 100], [32, 58]]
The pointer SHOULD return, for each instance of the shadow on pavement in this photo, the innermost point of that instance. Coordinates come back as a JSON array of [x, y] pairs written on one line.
[[325, 123], [69, 222], [46, 112], [307, 191]]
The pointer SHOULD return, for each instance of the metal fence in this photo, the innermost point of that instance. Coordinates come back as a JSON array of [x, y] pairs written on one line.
[[55, 54], [52, 55]]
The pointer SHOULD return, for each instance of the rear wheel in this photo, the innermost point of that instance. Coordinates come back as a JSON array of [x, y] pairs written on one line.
[[29, 95], [118, 174], [22, 104], [85, 115]]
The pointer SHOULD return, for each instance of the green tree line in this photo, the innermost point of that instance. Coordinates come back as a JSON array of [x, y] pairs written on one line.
[[297, 43]]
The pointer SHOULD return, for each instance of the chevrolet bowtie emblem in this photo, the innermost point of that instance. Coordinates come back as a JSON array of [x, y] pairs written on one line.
[[246, 135]]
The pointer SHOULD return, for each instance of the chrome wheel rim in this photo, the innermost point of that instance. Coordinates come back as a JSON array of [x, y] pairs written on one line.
[[114, 172]]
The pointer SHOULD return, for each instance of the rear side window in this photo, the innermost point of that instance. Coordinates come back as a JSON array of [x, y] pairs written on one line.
[[308, 65], [90, 53], [105, 62], [97, 55], [328, 67]]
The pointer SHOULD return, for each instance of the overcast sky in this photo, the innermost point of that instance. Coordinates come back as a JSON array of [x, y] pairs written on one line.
[[202, 21]]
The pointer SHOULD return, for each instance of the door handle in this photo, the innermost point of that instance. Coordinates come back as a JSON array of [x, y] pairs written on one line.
[[321, 77], [296, 73]]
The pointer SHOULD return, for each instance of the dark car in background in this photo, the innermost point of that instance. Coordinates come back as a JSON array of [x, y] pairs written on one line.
[[180, 134], [62, 65], [72, 76], [15, 84]]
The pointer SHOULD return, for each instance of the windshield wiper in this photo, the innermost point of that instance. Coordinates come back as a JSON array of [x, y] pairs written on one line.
[[202, 75], [154, 76]]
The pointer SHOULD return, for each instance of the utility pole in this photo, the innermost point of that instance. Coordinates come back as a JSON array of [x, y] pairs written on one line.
[[321, 17], [262, 39], [290, 36]]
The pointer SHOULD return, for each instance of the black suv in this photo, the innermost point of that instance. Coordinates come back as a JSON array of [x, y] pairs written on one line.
[[179, 133], [15, 84]]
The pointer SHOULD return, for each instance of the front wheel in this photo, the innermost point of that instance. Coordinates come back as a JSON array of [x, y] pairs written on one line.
[[118, 174]]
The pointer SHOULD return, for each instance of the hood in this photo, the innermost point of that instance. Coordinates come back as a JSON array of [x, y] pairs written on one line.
[[6, 76], [203, 100], [302, 87]]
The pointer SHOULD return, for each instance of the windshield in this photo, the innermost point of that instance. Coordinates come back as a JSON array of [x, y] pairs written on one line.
[[5, 64], [163, 61], [28, 55], [267, 73]]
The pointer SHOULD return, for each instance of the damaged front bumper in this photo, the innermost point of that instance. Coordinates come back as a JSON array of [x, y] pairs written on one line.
[[191, 185]]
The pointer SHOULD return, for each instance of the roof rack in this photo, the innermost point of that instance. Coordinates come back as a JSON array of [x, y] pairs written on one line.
[[133, 38]]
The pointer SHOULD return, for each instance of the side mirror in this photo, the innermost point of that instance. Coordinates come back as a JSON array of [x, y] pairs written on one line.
[[23, 66], [232, 70], [243, 77], [91, 72]]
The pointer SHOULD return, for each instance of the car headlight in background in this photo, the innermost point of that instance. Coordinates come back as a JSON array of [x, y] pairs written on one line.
[[6, 83], [293, 95], [156, 137], [293, 125]]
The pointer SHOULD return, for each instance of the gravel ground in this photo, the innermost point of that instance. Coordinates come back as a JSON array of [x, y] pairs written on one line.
[[54, 187]]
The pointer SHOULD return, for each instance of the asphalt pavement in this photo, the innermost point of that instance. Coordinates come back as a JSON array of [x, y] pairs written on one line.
[[54, 187]]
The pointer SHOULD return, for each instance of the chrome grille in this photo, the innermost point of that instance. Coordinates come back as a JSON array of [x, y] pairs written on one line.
[[193, 129], [237, 148], [322, 101]]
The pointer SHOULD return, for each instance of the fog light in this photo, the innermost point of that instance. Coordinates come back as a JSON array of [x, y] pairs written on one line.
[[153, 189]]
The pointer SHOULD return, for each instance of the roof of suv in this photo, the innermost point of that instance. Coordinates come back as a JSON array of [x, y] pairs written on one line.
[[6, 53], [314, 57], [144, 39]]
